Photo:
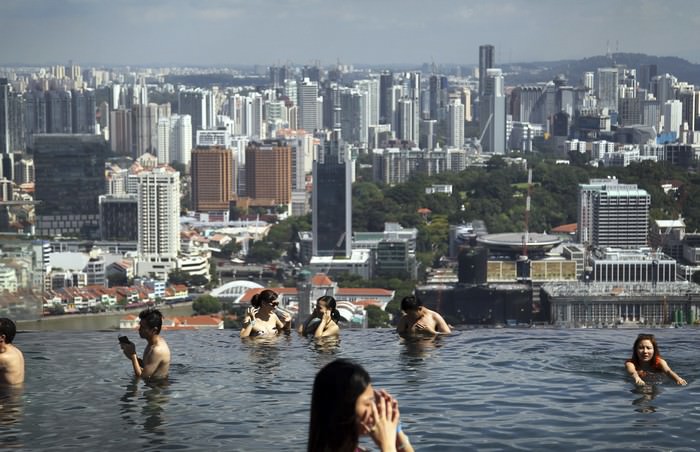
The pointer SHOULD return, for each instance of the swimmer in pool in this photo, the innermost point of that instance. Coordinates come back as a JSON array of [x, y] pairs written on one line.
[[156, 356], [260, 318], [11, 358], [418, 319], [323, 321], [345, 406], [646, 359]]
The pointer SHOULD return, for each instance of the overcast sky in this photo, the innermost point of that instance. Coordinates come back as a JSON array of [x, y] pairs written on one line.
[[232, 32]]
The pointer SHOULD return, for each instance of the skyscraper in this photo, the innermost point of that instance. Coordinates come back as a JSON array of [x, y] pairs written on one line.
[[69, 171], [4, 117], [386, 97], [332, 200], [268, 167], [612, 214], [486, 62], [212, 173], [309, 117], [199, 105], [158, 221], [492, 114], [606, 88], [455, 124]]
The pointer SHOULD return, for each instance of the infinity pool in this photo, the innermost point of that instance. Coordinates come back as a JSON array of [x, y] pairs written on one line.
[[480, 389]]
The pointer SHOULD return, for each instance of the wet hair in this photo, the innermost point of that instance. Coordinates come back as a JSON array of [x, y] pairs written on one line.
[[410, 303], [333, 423], [8, 329], [265, 295], [330, 303], [654, 358], [152, 318]]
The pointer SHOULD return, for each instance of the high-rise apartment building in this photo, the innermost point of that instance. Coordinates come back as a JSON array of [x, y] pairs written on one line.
[[486, 62], [199, 105], [158, 221], [145, 129], [673, 116], [612, 214], [332, 200], [69, 171], [455, 124], [121, 138], [268, 167], [213, 183], [309, 113]]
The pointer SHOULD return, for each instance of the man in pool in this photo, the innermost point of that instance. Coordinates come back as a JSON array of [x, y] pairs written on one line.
[[417, 319], [11, 358], [156, 356]]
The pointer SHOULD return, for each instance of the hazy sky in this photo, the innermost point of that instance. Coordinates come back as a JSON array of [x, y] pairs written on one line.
[[230, 32]]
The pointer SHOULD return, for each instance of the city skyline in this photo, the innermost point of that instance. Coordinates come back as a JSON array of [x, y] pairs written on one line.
[[235, 32]]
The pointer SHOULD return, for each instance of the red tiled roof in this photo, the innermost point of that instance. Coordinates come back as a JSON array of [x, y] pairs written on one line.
[[565, 228], [321, 279], [364, 291]]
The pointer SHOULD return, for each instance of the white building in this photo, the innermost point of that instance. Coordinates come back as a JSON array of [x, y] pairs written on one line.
[[309, 115], [673, 117], [158, 221], [492, 114], [455, 124], [8, 279]]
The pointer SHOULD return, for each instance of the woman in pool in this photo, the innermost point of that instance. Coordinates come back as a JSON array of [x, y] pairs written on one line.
[[344, 405], [646, 359], [323, 321], [260, 318]]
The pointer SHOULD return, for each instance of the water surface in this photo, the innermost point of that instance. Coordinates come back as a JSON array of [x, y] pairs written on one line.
[[480, 389]]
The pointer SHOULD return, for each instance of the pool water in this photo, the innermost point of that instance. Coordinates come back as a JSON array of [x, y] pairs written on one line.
[[480, 389]]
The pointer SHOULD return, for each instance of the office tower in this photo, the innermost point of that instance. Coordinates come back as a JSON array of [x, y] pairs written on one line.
[[158, 220], [588, 80], [58, 112], [353, 115], [145, 129], [212, 170], [606, 88], [612, 214], [199, 105], [4, 117], [438, 89], [278, 75], [69, 173], [662, 87], [647, 72], [673, 117], [455, 124], [686, 96], [523, 101], [371, 88], [268, 167], [309, 114], [407, 118], [331, 106], [492, 115], [180, 138], [120, 132], [386, 98], [630, 111], [331, 220], [83, 111], [291, 91], [486, 62], [119, 217]]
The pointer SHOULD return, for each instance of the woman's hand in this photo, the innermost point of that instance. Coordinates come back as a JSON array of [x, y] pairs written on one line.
[[250, 314], [326, 318], [385, 413]]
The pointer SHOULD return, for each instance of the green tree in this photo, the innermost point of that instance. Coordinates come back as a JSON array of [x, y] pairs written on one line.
[[263, 252], [178, 276], [376, 318], [206, 304]]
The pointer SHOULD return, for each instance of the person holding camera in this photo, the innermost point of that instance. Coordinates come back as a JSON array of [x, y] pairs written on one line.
[[156, 356]]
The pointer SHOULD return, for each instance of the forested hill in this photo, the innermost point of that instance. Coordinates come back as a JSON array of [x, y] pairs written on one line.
[[574, 69]]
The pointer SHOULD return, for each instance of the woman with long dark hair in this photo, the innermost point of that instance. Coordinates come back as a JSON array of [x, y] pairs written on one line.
[[260, 318], [323, 321], [646, 359], [344, 406]]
